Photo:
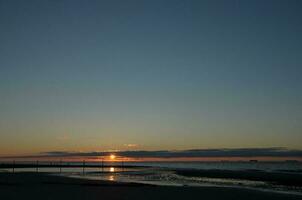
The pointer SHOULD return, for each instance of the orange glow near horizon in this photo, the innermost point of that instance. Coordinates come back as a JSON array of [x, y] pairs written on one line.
[[112, 157]]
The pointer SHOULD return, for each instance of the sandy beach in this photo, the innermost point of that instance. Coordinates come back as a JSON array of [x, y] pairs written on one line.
[[45, 186]]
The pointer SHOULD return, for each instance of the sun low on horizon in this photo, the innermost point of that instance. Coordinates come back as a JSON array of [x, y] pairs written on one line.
[[112, 157]]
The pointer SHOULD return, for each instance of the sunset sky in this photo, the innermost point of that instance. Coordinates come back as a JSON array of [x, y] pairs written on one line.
[[102, 75]]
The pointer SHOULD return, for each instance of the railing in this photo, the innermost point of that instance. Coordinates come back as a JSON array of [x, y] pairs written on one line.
[[37, 165]]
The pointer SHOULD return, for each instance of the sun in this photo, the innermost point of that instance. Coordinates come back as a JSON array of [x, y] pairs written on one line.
[[112, 157]]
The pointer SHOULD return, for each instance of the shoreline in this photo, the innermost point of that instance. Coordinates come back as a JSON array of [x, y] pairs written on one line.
[[274, 177], [30, 185], [282, 189]]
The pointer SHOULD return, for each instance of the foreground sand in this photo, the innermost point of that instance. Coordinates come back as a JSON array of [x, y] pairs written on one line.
[[44, 186]]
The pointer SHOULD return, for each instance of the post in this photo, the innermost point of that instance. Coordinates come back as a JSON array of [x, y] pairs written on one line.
[[37, 167], [60, 166], [102, 164], [83, 167], [13, 166]]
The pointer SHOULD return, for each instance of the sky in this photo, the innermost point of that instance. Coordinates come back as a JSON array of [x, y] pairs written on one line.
[[101, 75]]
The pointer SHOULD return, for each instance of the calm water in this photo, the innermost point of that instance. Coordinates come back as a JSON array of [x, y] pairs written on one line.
[[162, 173], [265, 166]]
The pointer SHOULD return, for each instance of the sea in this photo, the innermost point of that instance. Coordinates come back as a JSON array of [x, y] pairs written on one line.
[[164, 173]]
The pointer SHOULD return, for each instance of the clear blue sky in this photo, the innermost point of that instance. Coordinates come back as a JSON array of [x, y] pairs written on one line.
[[157, 74]]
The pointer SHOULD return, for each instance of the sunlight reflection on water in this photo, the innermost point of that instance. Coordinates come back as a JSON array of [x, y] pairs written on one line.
[[111, 178]]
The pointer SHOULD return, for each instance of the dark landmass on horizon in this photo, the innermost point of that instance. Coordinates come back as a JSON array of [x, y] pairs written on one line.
[[280, 152]]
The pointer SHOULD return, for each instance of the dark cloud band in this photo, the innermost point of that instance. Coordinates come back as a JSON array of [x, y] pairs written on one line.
[[193, 153]]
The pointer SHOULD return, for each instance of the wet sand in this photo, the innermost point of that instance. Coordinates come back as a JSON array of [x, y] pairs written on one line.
[[44, 186], [288, 178]]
